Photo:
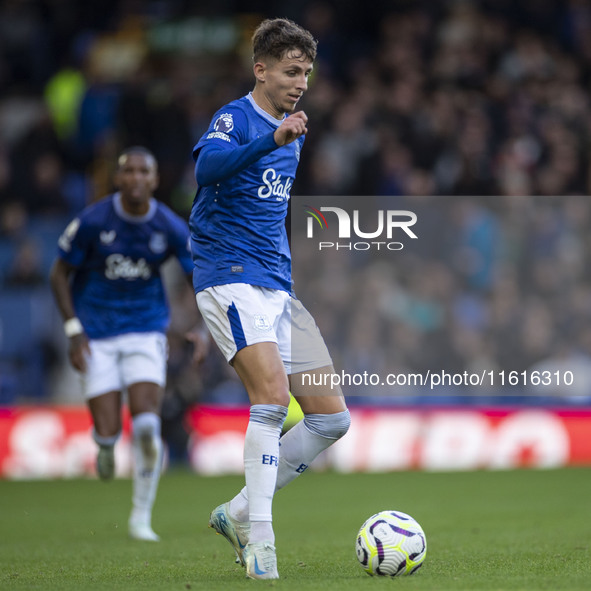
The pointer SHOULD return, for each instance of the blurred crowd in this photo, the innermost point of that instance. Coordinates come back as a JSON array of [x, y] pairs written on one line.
[[474, 113]]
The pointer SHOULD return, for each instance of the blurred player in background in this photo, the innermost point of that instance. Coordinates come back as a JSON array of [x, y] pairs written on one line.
[[107, 285], [245, 167]]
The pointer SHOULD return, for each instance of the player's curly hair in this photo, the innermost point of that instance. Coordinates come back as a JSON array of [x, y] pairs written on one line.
[[274, 37]]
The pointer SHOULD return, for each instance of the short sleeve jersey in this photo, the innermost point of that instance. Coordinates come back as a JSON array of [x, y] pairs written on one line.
[[117, 287], [237, 225]]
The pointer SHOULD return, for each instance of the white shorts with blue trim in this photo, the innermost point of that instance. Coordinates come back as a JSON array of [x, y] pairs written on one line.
[[239, 314], [117, 362]]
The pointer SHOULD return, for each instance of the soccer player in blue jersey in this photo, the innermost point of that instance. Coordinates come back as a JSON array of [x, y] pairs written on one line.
[[245, 167], [107, 285]]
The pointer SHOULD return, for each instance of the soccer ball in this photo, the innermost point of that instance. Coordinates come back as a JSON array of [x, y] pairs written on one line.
[[391, 544]]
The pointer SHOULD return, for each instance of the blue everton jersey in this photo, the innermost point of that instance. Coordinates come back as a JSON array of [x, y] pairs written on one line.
[[237, 224], [117, 287]]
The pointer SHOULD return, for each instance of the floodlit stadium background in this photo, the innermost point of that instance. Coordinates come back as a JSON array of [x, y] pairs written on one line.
[[477, 112]]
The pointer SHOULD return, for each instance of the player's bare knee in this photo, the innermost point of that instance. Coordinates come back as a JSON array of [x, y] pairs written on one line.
[[282, 399], [107, 426], [269, 396], [145, 397], [272, 389]]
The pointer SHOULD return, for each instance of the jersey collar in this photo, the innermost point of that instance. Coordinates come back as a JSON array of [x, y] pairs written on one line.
[[128, 217], [263, 113]]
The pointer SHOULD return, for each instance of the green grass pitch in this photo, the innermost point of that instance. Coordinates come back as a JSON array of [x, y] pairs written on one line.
[[513, 530]]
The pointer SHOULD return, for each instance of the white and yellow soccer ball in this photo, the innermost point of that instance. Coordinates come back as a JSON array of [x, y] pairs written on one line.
[[391, 544]]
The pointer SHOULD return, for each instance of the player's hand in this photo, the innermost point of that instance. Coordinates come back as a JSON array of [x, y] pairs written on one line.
[[201, 340], [78, 351], [291, 129]]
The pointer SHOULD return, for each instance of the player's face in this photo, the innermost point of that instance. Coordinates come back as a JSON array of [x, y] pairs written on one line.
[[283, 82], [137, 178]]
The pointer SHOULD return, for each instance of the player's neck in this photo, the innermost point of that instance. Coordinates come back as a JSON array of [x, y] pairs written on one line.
[[135, 208], [263, 102]]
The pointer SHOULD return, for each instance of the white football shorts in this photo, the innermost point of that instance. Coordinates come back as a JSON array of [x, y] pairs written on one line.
[[240, 314], [118, 362]]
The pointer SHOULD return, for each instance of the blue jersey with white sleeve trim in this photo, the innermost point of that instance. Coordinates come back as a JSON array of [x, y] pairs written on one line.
[[237, 221], [117, 287]]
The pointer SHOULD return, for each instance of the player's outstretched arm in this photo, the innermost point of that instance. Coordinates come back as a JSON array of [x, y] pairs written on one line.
[[291, 129], [216, 163]]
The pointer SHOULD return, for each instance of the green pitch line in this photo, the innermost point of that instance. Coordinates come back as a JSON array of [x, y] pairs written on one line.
[[519, 530]]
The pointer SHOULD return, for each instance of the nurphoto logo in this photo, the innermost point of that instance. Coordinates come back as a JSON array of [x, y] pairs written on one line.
[[378, 236]]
